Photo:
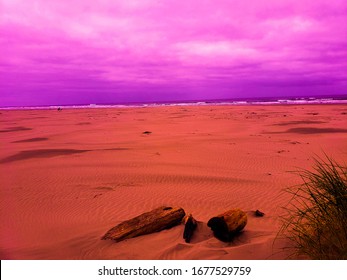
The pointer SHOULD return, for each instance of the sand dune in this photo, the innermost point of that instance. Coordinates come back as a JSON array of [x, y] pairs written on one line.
[[68, 177]]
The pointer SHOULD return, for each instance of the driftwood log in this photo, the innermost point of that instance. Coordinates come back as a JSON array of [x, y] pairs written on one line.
[[189, 228], [156, 220], [225, 226]]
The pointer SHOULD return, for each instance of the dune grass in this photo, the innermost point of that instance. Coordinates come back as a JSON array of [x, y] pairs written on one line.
[[316, 217]]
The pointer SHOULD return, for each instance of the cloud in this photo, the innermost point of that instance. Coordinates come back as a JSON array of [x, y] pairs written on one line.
[[213, 50], [165, 43]]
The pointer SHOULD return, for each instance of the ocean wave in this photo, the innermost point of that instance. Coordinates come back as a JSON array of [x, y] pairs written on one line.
[[301, 101]]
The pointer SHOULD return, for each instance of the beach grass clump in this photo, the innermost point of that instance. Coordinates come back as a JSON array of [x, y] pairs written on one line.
[[316, 217]]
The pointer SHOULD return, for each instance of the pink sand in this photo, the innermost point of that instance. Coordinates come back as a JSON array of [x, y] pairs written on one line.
[[68, 177]]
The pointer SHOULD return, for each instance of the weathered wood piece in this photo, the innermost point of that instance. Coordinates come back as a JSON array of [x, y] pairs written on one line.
[[156, 220], [225, 226], [189, 228]]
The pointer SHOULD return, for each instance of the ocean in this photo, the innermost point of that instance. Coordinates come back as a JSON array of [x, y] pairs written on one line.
[[239, 101]]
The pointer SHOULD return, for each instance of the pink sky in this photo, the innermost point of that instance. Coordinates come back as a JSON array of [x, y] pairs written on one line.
[[109, 51]]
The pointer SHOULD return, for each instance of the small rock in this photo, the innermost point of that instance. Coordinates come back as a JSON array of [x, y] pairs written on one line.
[[258, 213], [146, 132]]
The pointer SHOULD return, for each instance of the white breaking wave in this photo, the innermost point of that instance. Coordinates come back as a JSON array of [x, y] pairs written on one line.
[[309, 100]]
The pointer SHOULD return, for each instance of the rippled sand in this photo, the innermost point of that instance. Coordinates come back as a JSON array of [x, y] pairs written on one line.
[[67, 177]]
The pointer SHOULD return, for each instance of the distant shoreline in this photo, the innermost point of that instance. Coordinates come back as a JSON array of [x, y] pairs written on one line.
[[291, 101]]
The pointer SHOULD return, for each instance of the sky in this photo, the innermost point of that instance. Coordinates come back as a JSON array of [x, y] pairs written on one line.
[[60, 52]]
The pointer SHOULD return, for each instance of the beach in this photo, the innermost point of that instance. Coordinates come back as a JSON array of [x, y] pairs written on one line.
[[69, 176]]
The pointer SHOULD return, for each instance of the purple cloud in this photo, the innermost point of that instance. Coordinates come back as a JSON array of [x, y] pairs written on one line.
[[59, 51]]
